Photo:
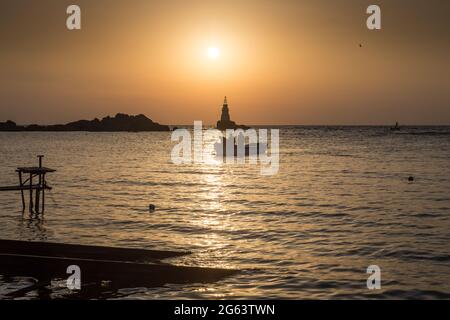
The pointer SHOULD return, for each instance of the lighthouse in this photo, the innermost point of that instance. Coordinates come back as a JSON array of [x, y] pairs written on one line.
[[225, 112], [225, 120]]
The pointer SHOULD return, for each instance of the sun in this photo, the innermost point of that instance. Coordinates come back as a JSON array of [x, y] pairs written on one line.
[[213, 53]]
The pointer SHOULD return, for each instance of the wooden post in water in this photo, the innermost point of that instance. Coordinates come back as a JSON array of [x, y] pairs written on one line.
[[36, 202], [39, 186], [43, 193], [31, 193], [21, 191]]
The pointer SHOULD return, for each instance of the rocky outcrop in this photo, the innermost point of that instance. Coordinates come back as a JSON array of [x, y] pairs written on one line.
[[121, 122]]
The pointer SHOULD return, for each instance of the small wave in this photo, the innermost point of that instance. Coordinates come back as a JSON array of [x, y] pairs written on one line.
[[417, 255]]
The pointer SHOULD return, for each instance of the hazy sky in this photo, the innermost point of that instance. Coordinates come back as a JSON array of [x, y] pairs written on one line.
[[280, 62]]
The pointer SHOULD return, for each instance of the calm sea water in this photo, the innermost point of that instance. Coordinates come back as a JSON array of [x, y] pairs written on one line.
[[340, 202]]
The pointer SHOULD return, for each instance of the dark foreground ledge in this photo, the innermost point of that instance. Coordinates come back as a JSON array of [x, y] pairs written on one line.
[[119, 267], [62, 250]]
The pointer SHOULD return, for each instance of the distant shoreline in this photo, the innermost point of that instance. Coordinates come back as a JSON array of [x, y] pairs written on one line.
[[140, 123]]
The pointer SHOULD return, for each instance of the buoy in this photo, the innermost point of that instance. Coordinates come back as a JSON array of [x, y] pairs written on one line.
[[411, 178], [151, 208]]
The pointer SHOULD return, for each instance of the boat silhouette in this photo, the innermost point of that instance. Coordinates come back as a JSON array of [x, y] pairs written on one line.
[[253, 149], [396, 127]]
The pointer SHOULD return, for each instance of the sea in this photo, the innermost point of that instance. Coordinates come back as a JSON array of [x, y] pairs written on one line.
[[341, 201]]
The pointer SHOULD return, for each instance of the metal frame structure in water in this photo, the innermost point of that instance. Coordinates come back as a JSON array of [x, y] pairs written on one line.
[[38, 206]]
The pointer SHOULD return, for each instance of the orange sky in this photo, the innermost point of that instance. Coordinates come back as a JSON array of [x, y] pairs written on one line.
[[281, 62]]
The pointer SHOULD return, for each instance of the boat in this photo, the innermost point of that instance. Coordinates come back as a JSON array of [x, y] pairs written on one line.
[[396, 127], [250, 149]]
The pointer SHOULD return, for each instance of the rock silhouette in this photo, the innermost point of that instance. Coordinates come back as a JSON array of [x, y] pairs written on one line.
[[121, 122]]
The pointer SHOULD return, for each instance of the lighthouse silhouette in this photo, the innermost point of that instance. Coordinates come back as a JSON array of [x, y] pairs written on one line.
[[225, 120]]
